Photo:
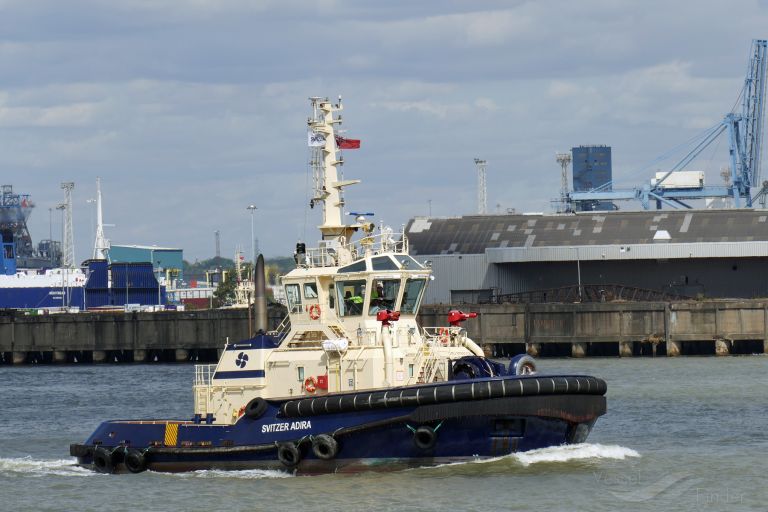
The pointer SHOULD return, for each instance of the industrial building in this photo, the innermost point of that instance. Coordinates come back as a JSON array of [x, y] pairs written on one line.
[[165, 260], [592, 171], [693, 253]]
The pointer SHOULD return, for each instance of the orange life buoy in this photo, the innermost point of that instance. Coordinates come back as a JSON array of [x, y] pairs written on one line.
[[444, 336], [314, 311], [310, 384]]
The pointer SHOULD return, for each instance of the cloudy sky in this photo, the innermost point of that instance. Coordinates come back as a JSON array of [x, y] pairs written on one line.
[[190, 110]]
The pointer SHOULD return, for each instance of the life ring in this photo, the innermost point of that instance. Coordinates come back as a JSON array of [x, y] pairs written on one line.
[[135, 461], [444, 335], [314, 311], [310, 384], [324, 447], [425, 437], [288, 454]]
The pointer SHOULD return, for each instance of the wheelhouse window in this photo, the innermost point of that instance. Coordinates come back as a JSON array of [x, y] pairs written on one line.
[[383, 263], [384, 295], [358, 266], [407, 262], [412, 296], [310, 290], [350, 295], [293, 297]]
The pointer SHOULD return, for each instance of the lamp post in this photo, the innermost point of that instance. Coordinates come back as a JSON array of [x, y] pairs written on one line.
[[578, 273], [252, 208], [159, 272], [62, 207], [93, 227]]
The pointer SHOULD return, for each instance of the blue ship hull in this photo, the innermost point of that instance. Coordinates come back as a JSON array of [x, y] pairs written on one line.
[[396, 428], [41, 297]]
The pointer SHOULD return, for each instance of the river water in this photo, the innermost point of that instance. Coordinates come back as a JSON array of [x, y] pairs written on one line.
[[680, 434]]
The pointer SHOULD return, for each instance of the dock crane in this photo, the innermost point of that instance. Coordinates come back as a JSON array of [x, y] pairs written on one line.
[[745, 139]]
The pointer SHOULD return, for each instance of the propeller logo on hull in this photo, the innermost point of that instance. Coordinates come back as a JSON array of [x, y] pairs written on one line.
[[242, 359]]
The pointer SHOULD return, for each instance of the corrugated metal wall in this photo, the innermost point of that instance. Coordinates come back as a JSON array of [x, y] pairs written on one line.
[[160, 257], [711, 278], [629, 252]]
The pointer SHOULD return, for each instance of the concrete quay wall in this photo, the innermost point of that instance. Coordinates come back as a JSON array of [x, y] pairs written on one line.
[[578, 330], [122, 337], [719, 327]]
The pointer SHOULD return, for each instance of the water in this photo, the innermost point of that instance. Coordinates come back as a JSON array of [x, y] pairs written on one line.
[[681, 434]]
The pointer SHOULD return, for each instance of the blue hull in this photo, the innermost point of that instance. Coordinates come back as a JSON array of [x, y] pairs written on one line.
[[383, 438], [41, 297]]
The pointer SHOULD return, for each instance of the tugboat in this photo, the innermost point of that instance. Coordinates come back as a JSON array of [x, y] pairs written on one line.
[[349, 381]]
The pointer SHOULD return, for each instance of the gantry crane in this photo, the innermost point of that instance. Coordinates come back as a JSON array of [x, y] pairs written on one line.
[[745, 139]]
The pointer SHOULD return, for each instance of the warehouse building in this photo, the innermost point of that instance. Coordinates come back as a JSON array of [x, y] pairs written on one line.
[[690, 253], [165, 260]]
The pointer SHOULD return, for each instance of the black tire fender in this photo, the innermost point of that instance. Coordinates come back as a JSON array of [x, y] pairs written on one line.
[[288, 454], [102, 460], [325, 447], [256, 408], [135, 461], [425, 437]]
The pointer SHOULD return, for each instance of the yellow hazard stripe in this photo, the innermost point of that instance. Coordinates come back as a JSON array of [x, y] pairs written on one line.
[[171, 434]]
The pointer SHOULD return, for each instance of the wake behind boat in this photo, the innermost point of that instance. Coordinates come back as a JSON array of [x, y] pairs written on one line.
[[350, 381]]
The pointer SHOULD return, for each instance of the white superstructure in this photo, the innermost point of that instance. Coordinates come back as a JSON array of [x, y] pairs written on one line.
[[51, 278]]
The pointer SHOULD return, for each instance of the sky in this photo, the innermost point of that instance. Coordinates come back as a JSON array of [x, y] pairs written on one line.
[[191, 110]]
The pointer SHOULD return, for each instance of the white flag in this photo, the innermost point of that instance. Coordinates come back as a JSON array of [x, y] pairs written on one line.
[[315, 139]]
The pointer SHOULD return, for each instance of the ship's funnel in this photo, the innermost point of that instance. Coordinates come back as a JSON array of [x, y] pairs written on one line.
[[260, 297]]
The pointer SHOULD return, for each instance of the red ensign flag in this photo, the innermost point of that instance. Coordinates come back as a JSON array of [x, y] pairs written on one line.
[[343, 143]]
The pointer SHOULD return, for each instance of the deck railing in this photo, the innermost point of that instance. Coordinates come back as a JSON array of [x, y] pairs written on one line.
[[446, 336], [204, 374], [328, 256]]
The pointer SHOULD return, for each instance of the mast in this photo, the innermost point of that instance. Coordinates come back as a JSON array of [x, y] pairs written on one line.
[[328, 186], [68, 238], [101, 245]]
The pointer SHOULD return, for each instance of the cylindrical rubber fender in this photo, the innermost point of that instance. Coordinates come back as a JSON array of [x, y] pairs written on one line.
[[102, 460], [288, 454], [135, 461], [325, 447], [425, 437], [256, 408]]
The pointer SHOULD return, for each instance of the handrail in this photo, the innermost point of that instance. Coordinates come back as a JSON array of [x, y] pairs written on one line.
[[383, 242], [281, 330], [204, 374], [430, 371], [448, 336], [417, 365]]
